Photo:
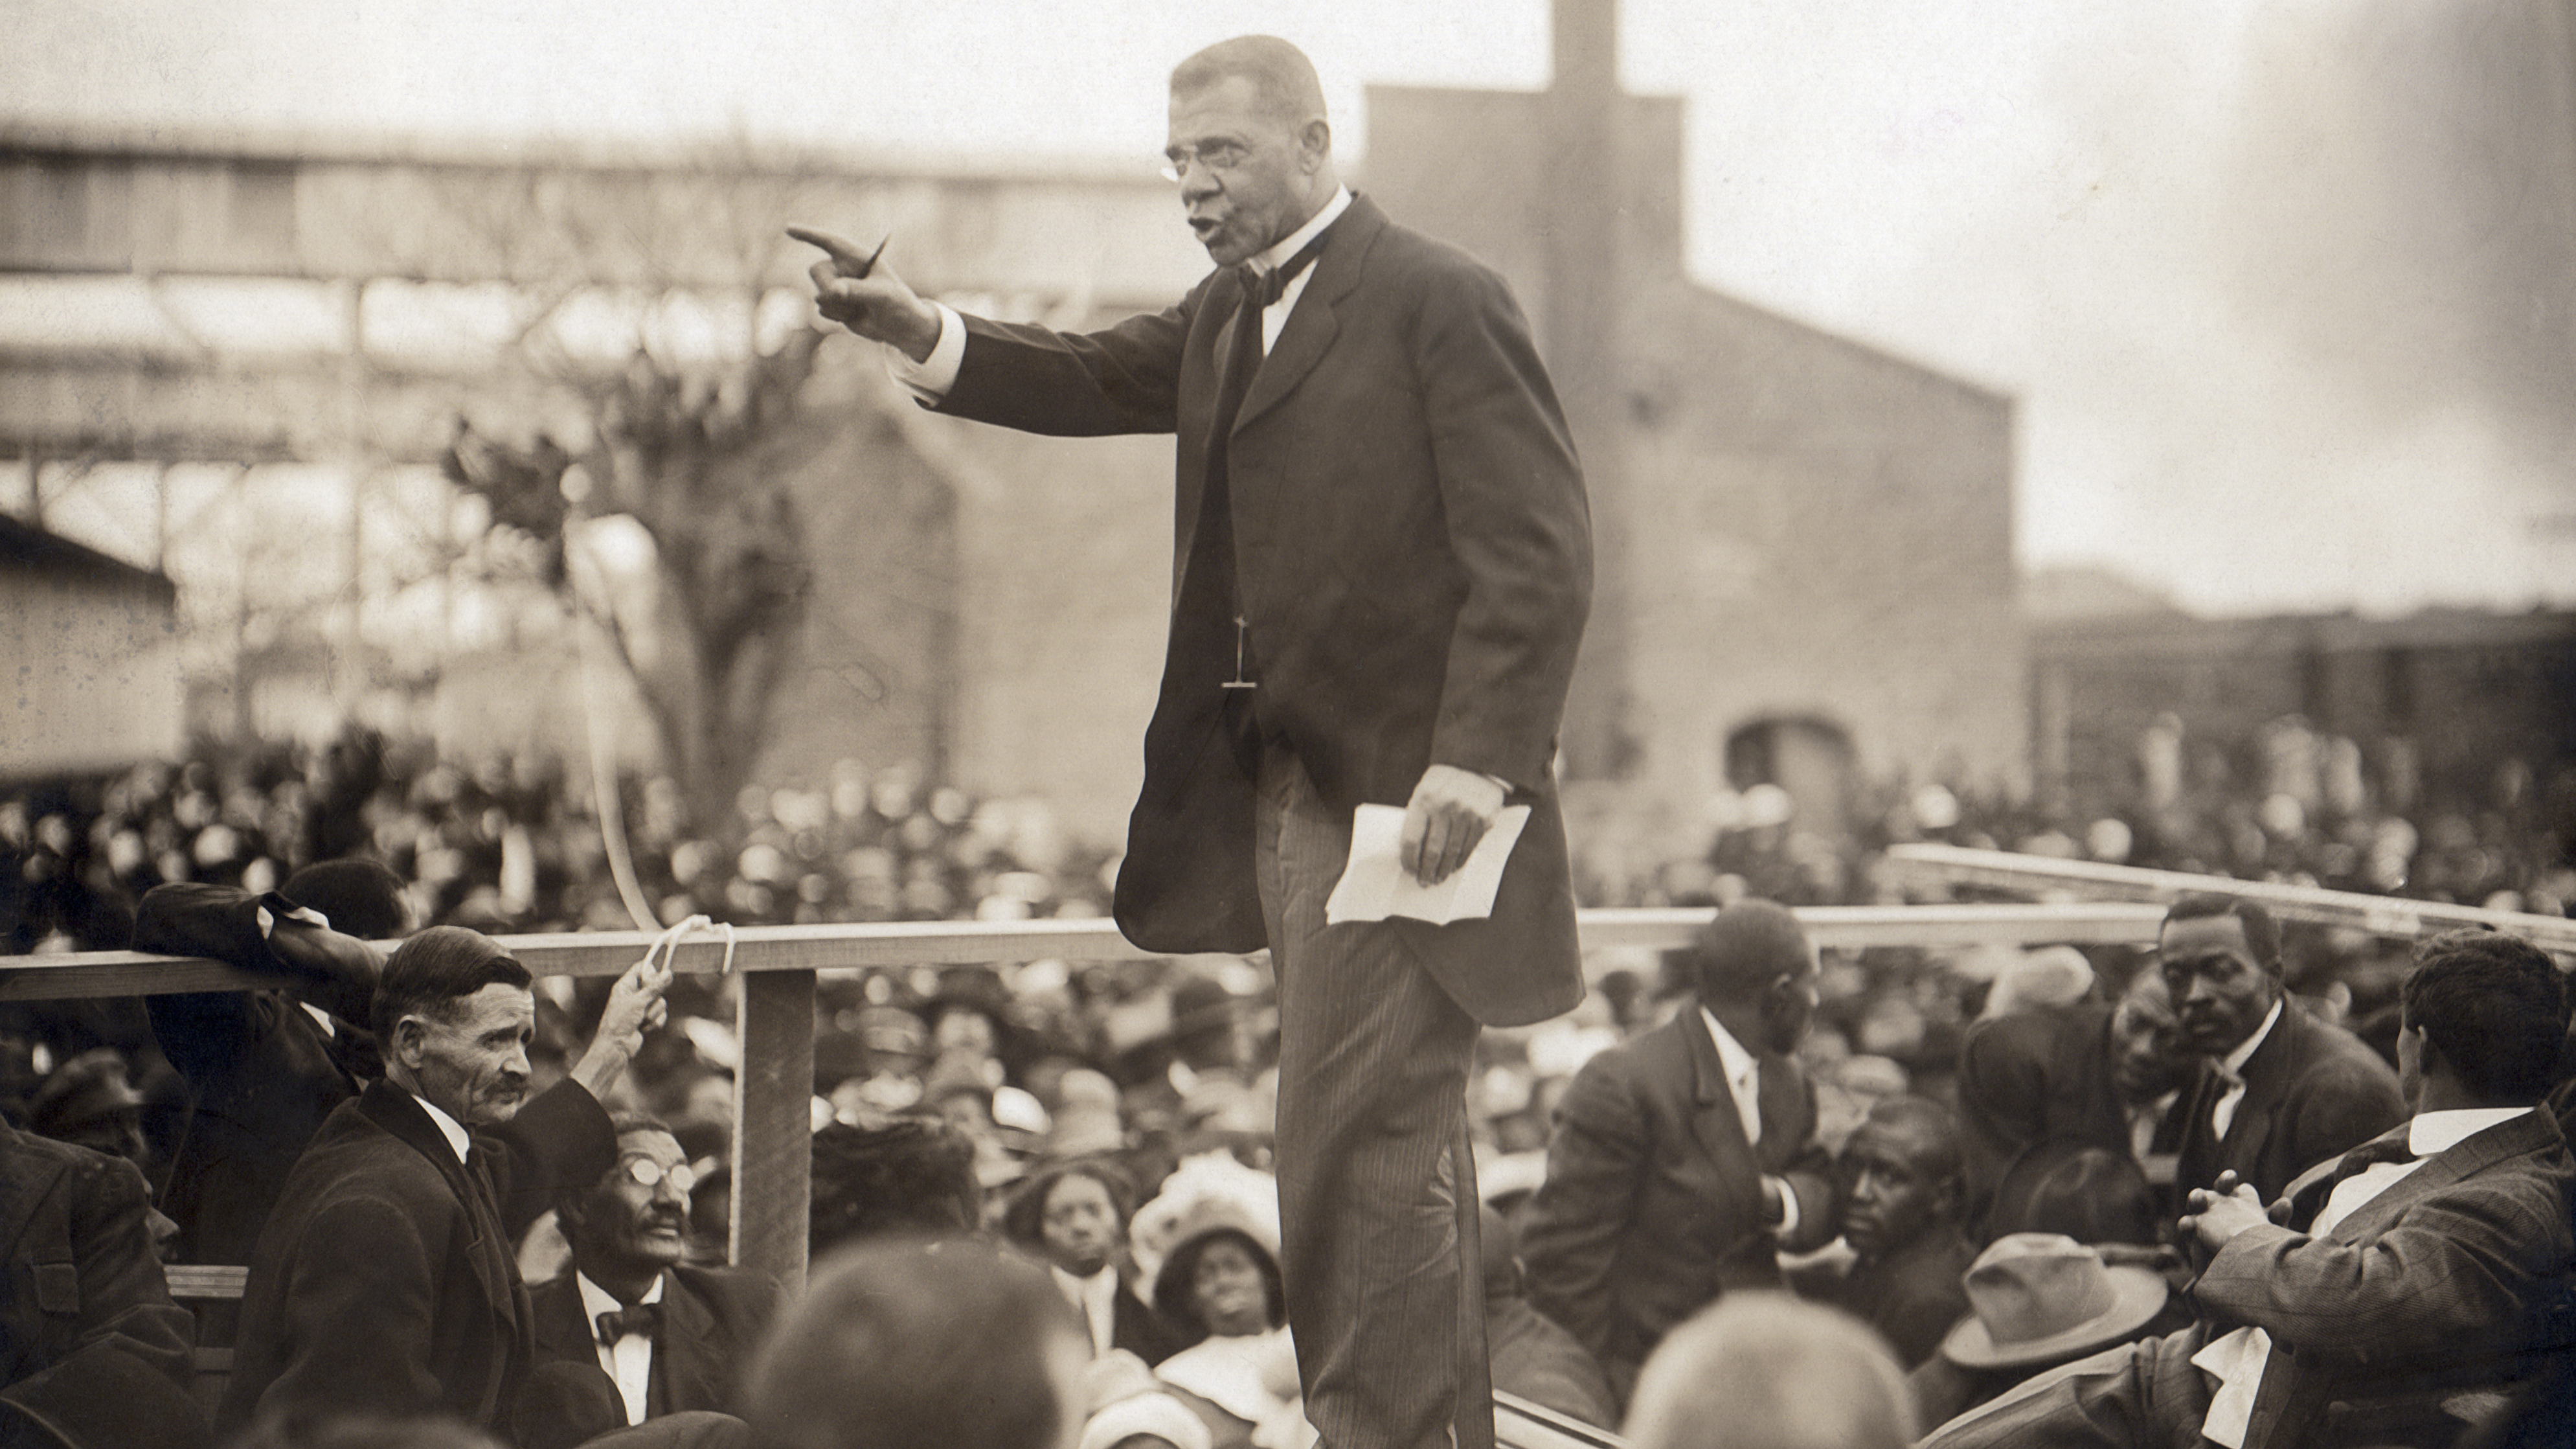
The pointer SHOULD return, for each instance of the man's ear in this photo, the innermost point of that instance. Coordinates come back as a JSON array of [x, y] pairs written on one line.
[[1315, 141], [410, 1043]]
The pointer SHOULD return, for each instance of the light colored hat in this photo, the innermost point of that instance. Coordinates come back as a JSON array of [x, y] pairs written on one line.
[[2041, 1298], [1154, 1413]]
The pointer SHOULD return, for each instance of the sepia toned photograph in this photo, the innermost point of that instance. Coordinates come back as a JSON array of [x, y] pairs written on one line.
[[1087, 724]]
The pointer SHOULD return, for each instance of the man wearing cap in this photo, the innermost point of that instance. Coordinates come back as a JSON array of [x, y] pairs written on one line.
[[2439, 1247], [1686, 1158], [384, 1282], [2280, 1090], [656, 1335], [1382, 568]]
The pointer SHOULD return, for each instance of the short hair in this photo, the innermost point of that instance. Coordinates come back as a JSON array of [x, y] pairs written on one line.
[[1024, 1220], [907, 1344], [1283, 79], [2090, 1194], [2261, 935], [1174, 1281], [2494, 1006], [434, 970], [1764, 1370], [1746, 947], [1940, 1129], [909, 1178], [361, 897]]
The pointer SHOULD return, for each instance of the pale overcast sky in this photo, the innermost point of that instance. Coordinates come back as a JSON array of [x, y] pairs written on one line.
[[2284, 290]]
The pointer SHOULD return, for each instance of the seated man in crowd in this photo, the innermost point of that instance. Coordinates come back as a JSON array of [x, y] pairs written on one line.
[[384, 1281], [264, 1068], [1767, 1371], [1686, 1157], [93, 1354], [1902, 1220], [635, 1331], [1074, 1219], [2104, 1074], [905, 1344], [2438, 1242], [2280, 1090]]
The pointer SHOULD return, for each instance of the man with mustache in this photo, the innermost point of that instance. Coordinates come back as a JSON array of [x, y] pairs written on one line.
[[637, 1332], [2281, 1091], [1383, 566], [383, 1282]]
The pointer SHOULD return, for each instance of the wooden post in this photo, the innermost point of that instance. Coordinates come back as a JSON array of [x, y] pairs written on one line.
[[773, 1135]]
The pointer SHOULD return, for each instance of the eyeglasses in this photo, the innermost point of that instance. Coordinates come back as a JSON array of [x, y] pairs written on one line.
[[1216, 156], [648, 1173]]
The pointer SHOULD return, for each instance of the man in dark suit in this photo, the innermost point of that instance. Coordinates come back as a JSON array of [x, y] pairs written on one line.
[[662, 1337], [2438, 1245], [2282, 1090], [1687, 1157], [1074, 1219], [1902, 1218], [264, 1068], [384, 1281], [1383, 564], [2095, 1073], [93, 1354]]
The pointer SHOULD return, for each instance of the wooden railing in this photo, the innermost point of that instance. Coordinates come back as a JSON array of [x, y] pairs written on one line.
[[775, 969]]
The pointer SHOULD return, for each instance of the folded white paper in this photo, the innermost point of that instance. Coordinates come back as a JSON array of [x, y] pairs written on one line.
[[1375, 884]]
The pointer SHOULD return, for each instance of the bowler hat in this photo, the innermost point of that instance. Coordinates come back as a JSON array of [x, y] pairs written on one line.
[[2042, 1298]]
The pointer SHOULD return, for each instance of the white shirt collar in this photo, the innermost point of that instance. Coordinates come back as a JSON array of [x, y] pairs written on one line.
[[1277, 256], [596, 1300], [2433, 1132], [2234, 1061], [448, 1127], [1740, 1064]]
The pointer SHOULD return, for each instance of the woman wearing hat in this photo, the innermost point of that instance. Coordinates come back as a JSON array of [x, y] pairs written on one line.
[[1220, 1280], [2035, 1300]]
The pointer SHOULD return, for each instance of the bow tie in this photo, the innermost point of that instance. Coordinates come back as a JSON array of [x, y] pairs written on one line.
[[1266, 288], [643, 1318]]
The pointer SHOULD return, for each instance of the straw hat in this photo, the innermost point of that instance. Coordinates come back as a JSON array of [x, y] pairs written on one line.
[[2041, 1298]]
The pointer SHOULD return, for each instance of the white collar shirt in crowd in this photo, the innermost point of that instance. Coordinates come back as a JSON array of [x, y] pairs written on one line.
[[1744, 1083], [1097, 1298], [2232, 1067], [448, 1127], [2238, 1356], [930, 379], [629, 1361]]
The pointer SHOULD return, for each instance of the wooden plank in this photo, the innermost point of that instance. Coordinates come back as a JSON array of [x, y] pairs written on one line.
[[773, 1149], [2379, 915], [851, 946]]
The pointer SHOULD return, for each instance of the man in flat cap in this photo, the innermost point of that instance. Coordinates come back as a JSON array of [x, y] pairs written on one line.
[[384, 1281], [1687, 1158]]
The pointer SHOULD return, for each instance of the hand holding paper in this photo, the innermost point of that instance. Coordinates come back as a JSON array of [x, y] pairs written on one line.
[[1375, 884]]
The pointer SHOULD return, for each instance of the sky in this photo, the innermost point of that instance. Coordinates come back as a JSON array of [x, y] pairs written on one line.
[[2285, 292]]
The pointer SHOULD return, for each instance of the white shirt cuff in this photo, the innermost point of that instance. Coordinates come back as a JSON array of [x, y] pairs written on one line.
[[1788, 1223], [932, 377]]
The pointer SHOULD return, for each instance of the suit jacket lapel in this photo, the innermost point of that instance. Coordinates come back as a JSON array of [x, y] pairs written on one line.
[[1715, 1120], [395, 1110], [2475, 1153], [684, 1367], [1311, 324], [563, 1328]]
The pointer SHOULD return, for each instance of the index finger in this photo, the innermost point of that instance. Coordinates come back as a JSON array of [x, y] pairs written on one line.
[[842, 250]]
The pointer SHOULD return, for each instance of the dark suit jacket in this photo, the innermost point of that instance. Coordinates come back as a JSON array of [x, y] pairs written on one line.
[[262, 1073], [1135, 1326], [2036, 1076], [1414, 557], [90, 1344], [384, 1281], [2448, 1262], [1652, 1205], [2312, 1091], [1912, 1295], [712, 1320]]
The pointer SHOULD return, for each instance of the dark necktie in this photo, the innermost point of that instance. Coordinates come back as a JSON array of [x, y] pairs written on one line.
[[643, 1318], [1211, 602], [2368, 1155]]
